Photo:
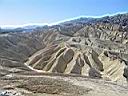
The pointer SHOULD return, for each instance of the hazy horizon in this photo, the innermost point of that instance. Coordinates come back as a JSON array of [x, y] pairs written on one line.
[[54, 23], [46, 12]]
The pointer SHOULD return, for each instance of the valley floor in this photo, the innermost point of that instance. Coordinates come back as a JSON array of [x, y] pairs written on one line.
[[39, 84]]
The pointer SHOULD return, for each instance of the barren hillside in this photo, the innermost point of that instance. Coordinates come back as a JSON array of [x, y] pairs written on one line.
[[91, 47]]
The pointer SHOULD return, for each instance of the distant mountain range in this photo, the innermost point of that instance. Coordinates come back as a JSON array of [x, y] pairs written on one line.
[[120, 19], [28, 28]]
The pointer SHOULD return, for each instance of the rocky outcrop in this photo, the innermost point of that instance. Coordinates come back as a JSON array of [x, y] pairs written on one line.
[[86, 61]]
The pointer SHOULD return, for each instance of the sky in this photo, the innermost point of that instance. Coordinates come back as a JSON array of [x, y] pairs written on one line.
[[19, 12]]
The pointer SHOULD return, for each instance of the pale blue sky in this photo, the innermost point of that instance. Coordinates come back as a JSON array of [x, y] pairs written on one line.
[[17, 12]]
